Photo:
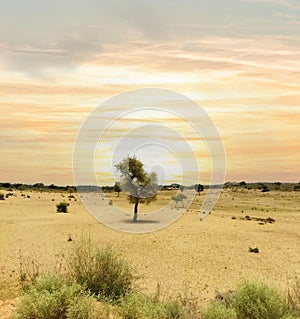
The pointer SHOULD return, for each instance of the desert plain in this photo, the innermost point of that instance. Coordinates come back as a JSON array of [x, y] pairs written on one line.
[[190, 256]]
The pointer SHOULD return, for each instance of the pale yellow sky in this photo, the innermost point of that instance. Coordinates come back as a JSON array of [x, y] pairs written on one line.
[[240, 64]]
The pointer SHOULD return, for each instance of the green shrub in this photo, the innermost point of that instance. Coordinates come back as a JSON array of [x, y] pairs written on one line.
[[293, 298], [2, 197], [62, 207], [290, 316], [140, 306], [102, 272], [218, 310], [48, 298], [258, 301], [81, 307]]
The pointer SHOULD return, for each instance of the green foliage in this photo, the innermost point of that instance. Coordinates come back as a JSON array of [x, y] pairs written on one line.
[[258, 301], [81, 307], [293, 298], [100, 271], [290, 316], [62, 207], [137, 305], [141, 186], [2, 197], [136, 181], [140, 306], [218, 310], [48, 298]]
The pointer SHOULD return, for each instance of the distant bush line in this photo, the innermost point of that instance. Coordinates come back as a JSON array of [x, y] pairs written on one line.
[[264, 187]]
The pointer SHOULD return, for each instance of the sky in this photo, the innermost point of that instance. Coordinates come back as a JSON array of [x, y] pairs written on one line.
[[238, 60]]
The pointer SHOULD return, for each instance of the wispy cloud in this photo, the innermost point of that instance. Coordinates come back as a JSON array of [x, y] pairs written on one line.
[[280, 3], [241, 64]]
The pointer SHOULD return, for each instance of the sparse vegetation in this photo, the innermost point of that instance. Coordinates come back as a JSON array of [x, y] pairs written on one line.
[[254, 250], [254, 300], [218, 310], [100, 271], [2, 197], [51, 297], [99, 306], [138, 305], [98, 283], [62, 207]]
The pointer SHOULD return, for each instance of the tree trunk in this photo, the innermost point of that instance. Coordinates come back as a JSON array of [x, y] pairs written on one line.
[[135, 212]]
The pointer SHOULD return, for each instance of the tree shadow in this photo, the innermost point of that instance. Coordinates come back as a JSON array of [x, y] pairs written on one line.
[[140, 221]]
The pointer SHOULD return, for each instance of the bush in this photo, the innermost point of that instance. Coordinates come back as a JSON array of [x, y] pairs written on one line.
[[257, 301], [81, 307], [137, 305], [2, 197], [102, 272], [62, 207], [293, 298], [48, 298], [218, 310]]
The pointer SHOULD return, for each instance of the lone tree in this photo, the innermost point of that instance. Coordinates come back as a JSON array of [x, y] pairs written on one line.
[[117, 188], [199, 188], [140, 186]]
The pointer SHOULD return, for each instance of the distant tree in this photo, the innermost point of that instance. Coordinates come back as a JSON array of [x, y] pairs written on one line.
[[297, 187], [277, 185], [141, 186], [265, 189], [179, 199], [38, 185], [243, 184], [117, 188], [5, 185], [199, 188]]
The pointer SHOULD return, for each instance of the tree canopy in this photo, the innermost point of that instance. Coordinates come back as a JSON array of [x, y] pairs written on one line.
[[140, 186]]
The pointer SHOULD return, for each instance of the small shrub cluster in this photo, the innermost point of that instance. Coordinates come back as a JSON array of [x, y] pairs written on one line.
[[2, 197], [51, 297], [140, 306], [253, 250], [252, 300], [62, 207], [102, 272]]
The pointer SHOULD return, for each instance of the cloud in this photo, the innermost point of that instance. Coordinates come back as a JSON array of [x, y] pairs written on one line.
[[279, 3]]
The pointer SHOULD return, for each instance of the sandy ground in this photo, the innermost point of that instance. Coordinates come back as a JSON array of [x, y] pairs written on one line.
[[190, 255]]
